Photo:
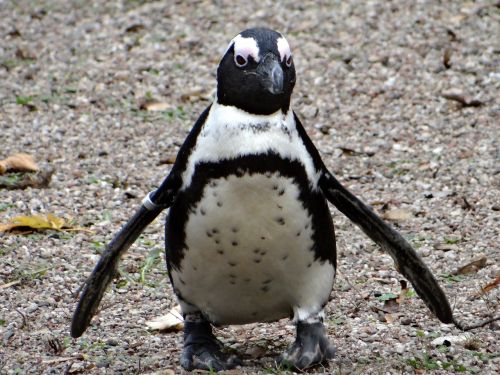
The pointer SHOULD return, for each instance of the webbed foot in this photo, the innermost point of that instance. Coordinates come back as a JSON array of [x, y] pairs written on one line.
[[203, 351], [310, 348]]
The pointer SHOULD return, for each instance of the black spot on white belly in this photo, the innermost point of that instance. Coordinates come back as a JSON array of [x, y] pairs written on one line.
[[268, 284]]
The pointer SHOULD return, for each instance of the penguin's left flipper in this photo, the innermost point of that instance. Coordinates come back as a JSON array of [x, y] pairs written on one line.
[[407, 260], [96, 284]]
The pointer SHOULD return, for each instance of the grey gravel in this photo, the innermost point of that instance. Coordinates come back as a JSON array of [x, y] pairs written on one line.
[[372, 78]]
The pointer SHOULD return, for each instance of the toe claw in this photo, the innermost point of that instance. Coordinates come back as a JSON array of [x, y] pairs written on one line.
[[202, 351], [311, 347], [207, 357]]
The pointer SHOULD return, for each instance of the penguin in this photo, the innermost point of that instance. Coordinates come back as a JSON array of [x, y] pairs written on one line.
[[249, 235]]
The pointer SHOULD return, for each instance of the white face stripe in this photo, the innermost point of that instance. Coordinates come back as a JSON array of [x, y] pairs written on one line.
[[284, 49], [245, 47]]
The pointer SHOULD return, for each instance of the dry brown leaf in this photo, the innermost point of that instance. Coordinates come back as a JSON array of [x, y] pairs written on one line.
[[472, 267], [398, 214], [390, 318], [195, 94], [461, 98], [490, 286], [167, 371], [39, 179], [169, 159], [157, 106], [347, 151], [18, 162], [37, 222], [447, 58], [172, 322], [135, 28]]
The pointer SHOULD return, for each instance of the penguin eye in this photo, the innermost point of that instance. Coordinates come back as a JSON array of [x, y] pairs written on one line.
[[240, 61], [288, 61]]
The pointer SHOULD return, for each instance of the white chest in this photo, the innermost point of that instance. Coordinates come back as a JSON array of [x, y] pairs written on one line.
[[229, 133]]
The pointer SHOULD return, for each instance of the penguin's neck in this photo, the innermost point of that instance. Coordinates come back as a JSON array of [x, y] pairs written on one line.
[[231, 133], [223, 119]]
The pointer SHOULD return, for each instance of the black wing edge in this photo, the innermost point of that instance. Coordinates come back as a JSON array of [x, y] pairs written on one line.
[[96, 284], [406, 259]]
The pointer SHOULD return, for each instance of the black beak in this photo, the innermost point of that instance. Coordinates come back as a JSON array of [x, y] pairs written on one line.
[[271, 74]]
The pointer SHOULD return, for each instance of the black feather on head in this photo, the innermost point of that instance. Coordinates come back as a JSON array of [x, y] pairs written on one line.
[[256, 73]]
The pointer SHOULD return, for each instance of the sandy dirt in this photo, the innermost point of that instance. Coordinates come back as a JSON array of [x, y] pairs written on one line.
[[402, 99]]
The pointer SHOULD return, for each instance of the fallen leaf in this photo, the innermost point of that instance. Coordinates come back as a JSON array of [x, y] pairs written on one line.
[[172, 322], [135, 28], [38, 222], [398, 214], [21, 181], [490, 286], [347, 151], [234, 371], [15, 33], [152, 105], [392, 303], [18, 162], [447, 58], [164, 372], [194, 94], [471, 267], [390, 318], [25, 54], [378, 203], [446, 246], [170, 159], [459, 97]]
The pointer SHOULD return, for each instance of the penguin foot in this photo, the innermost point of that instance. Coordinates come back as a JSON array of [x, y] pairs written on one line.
[[202, 351], [310, 348]]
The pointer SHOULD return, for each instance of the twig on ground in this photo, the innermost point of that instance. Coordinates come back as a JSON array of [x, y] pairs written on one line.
[[469, 327], [9, 284], [25, 320]]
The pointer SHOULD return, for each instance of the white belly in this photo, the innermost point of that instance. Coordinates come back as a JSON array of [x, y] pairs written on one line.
[[249, 254]]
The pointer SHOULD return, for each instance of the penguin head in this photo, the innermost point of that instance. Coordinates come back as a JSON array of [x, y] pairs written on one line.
[[256, 73]]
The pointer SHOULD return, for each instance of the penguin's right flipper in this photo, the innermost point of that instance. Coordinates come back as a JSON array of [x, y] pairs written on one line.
[[152, 205], [407, 260], [96, 284]]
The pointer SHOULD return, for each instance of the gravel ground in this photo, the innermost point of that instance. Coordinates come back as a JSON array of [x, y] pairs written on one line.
[[401, 98]]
